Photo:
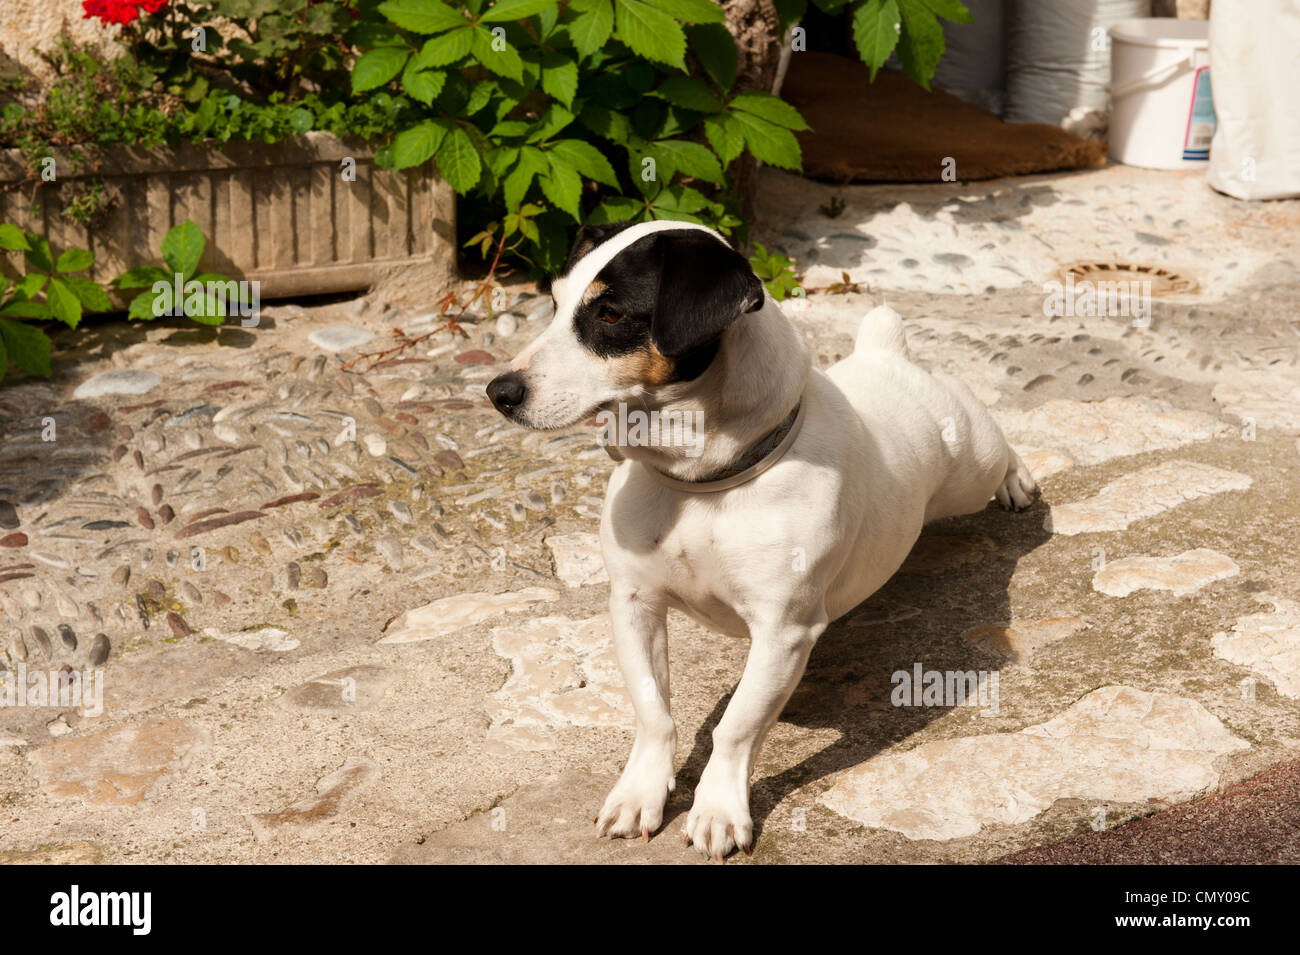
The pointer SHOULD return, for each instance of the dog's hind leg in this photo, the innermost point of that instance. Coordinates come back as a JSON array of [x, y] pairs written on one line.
[[635, 806], [1016, 492]]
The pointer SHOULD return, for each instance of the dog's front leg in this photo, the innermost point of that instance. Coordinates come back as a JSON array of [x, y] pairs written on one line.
[[635, 806], [719, 819]]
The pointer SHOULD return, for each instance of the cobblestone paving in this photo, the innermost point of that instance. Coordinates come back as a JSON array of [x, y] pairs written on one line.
[[356, 616]]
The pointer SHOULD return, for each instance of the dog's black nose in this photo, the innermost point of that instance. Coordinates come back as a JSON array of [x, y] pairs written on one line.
[[506, 392]]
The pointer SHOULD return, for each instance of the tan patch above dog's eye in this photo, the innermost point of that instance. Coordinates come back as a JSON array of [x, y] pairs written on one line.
[[593, 291], [648, 366]]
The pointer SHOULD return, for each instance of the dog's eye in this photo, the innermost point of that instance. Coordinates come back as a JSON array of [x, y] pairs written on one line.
[[609, 317]]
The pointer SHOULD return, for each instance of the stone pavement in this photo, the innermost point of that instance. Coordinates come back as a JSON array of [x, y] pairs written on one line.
[[356, 616]]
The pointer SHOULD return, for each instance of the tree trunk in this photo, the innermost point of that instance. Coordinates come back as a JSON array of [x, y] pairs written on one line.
[[755, 26]]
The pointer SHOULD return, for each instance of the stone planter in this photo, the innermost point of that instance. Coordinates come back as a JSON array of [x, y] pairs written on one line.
[[282, 214]]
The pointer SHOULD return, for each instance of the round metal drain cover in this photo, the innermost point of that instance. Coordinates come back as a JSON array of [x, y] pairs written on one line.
[[1163, 281]]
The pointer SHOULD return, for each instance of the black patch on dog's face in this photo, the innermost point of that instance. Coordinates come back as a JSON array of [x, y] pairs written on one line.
[[661, 304]]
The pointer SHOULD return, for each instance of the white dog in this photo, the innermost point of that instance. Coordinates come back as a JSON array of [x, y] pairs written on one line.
[[806, 494]]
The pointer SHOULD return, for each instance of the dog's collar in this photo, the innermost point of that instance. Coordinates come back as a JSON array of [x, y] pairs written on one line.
[[760, 456]]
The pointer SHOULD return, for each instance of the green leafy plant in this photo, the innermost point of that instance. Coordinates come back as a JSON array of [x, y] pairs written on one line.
[[180, 288], [776, 271], [881, 27], [48, 289], [554, 114]]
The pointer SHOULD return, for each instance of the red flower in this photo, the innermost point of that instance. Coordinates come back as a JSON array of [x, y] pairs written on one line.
[[119, 11]]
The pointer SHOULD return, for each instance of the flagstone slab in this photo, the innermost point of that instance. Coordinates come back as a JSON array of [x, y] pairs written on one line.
[[578, 561], [120, 766], [334, 793], [1143, 494], [1018, 639], [1043, 462], [1092, 432], [349, 688], [564, 674], [1268, 643], [1182, 574], [1117, 744], [449, 614]]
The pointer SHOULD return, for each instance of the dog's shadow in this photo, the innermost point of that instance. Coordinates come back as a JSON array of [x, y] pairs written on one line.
[[956, 579]]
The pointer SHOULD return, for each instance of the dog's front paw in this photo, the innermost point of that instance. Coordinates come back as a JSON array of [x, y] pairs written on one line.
[[635, 807], [719, 820]]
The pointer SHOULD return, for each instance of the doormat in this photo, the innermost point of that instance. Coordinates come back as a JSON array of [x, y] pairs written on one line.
[[892, 130]]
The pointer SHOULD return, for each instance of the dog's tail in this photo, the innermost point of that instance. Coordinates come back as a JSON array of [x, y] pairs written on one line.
[[881, 328]]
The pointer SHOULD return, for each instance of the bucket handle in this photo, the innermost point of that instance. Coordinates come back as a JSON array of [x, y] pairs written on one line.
[[1153, 77]]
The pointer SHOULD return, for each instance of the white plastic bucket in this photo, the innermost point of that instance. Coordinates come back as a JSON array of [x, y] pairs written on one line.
[[1162, 111]]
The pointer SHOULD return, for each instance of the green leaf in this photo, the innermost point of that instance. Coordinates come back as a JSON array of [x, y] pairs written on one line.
[[29, 347], [414, 146], [422, 85], [772, 144], [142, 306], [74, 260], [506, 10], [687, 157], [559, 77], [679, 201], [651, 33], [25, 308], [617, 209], [422, 16], [725, 136], [210, 311], [563, 186], [768, 107], [301, 120], [12, 238], [950, 10], [790, 11], [688, 93], [446, 49], [691, 11], [29, 285], [554, 119], [589, 31], [587, 159], [377, 67], [497, 55], [532, 162], [182, 248], [716, 51], [921, 43], [143, 277], [38, 253], [64, 306], [480, 95], [92, 297], [875, 31], [458, 161], [365, 35], [606, 123]]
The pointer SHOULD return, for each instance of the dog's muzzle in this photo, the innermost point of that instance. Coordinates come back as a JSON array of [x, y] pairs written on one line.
[[507, 392]]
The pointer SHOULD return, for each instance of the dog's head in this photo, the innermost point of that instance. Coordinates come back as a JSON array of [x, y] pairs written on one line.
[[638, 308]]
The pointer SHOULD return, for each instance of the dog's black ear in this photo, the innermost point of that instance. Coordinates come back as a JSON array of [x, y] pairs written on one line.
[[590, 236], [704, 286]]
